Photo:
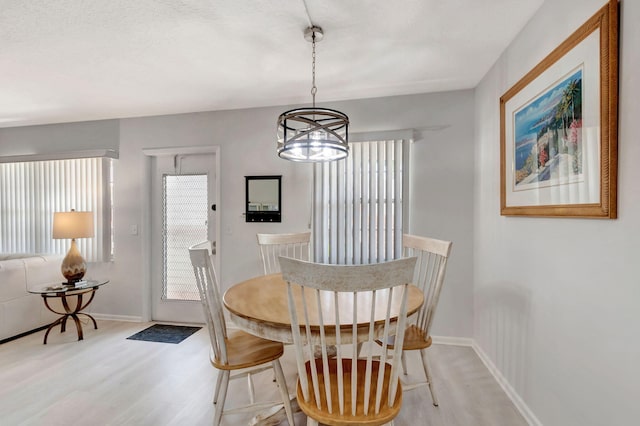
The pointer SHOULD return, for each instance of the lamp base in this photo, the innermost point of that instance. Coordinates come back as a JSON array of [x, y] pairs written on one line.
[[73, 265]]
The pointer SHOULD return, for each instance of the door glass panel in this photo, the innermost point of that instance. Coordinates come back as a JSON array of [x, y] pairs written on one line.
[[184, 201]]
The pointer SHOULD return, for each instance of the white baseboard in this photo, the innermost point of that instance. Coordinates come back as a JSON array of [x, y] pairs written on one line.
[[109, 317], [522, 407], [454, 341]]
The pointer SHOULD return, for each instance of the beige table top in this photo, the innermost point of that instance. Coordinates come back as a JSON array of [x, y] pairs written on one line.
[[260, 306]]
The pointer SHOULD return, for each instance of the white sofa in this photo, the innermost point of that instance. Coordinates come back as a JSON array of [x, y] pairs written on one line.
[[21, 311]]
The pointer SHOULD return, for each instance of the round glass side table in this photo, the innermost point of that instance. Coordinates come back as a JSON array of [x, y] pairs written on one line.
[[73, 300]]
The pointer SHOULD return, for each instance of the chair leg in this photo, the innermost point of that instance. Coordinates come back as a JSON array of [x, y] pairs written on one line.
[[403, 358], [222, 394], [217, 389], [425, 364], [312, 422], [284, 391]]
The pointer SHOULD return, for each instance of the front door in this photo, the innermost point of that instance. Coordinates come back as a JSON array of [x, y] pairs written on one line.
[[183, 194]]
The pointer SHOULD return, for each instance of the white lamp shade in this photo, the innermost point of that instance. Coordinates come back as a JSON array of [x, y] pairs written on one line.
[[72, 225]]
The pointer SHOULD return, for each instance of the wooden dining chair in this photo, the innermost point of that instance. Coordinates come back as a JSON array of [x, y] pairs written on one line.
[[234, 350], [429, 275], [272, 246], [345, 389]]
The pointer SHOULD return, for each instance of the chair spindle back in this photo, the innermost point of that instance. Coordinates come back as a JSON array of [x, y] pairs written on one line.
[[432, 256], [360, 299], [207, 283], [272, 246]]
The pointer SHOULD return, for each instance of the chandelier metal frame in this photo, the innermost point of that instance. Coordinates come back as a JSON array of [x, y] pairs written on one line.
[[313, 134]]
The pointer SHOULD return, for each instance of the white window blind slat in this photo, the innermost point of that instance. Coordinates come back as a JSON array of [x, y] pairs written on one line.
[[373, 195], [380, 201], [349, 231], [398, 191], [340, 210], [358, 205], [390, 174], [366, 207]]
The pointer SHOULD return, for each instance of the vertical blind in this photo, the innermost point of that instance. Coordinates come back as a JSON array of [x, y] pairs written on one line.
[[357, 212], [30, 192]]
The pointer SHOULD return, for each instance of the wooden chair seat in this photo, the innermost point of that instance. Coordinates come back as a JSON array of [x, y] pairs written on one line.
[[246, 350], [310, 408], [414, 339]]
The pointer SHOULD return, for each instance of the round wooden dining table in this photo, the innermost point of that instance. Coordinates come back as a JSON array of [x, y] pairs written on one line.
[[260, 306]]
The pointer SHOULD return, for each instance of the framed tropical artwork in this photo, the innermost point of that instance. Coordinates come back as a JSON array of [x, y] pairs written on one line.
[[558, 128]]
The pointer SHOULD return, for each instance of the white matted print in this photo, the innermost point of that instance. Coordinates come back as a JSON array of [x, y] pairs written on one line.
[[557, 144]]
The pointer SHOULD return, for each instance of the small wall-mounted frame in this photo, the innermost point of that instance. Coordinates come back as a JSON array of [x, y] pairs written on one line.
[[263, 198]]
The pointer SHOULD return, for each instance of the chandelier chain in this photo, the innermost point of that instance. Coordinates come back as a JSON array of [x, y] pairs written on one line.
[[313, 135], [314, 89]]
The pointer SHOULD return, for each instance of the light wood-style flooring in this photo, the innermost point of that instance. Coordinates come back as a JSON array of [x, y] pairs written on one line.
[[108, 380]]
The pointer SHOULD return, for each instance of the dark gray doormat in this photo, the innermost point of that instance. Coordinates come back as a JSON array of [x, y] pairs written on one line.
[[164, 333]]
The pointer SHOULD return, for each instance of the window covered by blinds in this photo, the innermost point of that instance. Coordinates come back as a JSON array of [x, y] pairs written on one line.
[[30, 192], [358, 217]]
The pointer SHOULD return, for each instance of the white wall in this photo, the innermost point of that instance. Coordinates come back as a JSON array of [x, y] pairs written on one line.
[[51, 138], [441, 194], [557, 301]]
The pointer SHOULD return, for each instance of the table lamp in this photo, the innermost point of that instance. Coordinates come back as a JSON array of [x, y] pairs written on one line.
[[73, 225]]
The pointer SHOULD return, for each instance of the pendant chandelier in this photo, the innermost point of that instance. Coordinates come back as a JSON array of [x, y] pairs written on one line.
[[313, 134]]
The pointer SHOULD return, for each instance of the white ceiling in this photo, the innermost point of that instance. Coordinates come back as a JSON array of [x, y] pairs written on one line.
[[77, 60]]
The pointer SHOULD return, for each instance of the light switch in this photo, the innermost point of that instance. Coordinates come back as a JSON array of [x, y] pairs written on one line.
[[133, 229]]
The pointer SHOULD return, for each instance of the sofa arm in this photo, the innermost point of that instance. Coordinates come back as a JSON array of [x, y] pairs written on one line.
[[42, 270]]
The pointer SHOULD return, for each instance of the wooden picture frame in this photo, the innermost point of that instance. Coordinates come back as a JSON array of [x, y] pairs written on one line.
[[559, 128]]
